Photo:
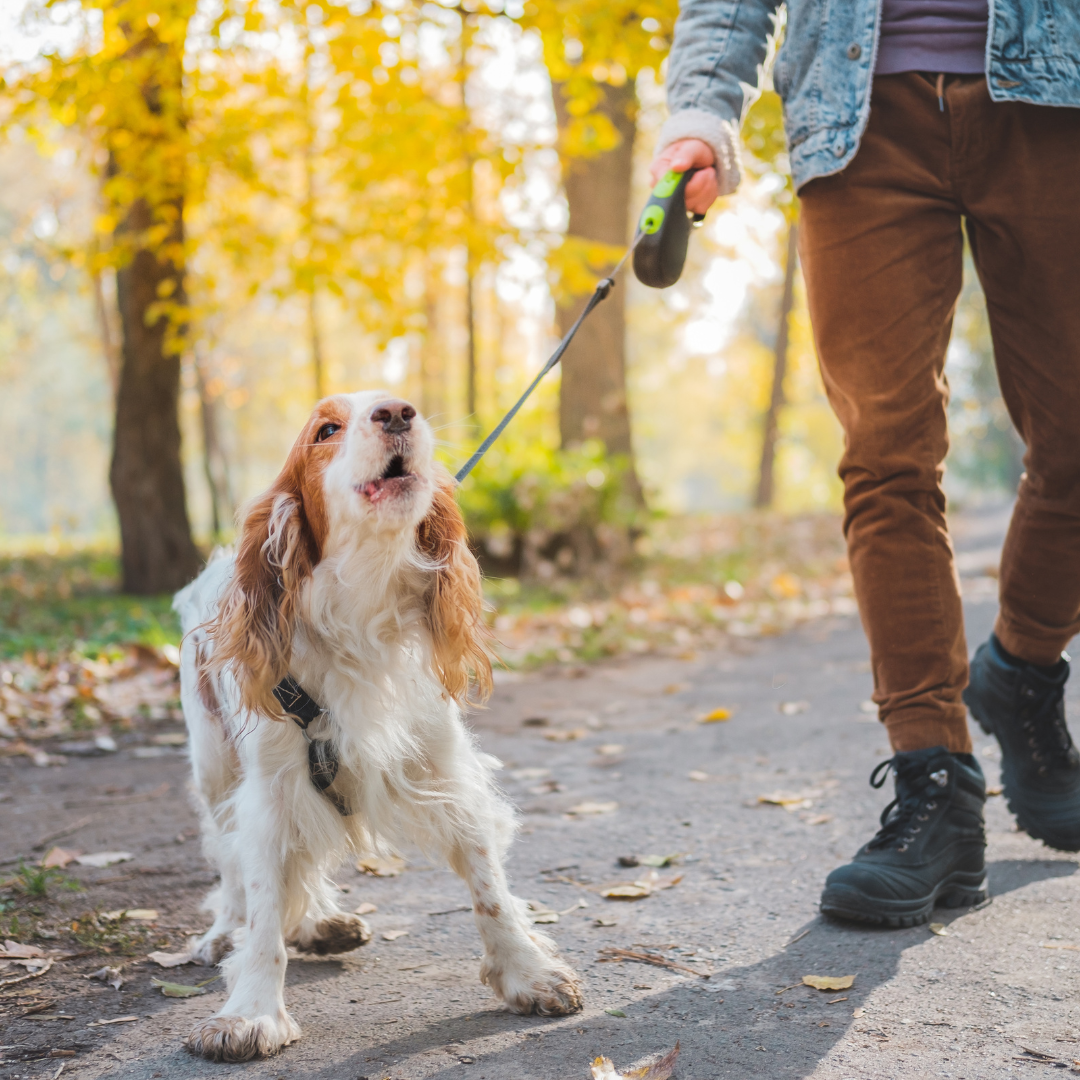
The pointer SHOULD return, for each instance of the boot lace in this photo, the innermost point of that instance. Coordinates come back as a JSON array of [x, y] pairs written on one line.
[[915, 800], [1042, 715]]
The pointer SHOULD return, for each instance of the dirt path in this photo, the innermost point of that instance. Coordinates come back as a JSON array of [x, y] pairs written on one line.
[[1003, 979]]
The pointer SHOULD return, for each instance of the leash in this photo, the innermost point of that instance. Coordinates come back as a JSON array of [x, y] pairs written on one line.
[[659, 250]]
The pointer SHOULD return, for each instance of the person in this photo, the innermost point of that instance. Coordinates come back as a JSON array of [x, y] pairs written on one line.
[[906, 120]]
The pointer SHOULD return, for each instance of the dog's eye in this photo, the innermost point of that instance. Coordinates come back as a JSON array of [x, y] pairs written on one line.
[[326, 431]]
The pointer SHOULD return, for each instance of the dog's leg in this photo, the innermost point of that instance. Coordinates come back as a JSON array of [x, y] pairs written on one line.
[[325, 929], [520, 964], [253, 1022]]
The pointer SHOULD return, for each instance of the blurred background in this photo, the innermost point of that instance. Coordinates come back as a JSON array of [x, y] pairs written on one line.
[[214, 213]]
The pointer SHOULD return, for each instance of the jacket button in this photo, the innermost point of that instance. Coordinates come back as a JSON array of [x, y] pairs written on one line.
[[854, 51]]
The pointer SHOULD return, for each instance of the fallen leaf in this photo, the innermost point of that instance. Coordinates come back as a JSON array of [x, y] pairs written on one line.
[[629, 891], [57, 858], [393, 935], [31, 974], [171, 960], [13, 948], [697, 774], [938, 929], [787, 800], [615, 1012], [174, 990], [587, 808], [859, 1012], [566, 736], [381, 866], [603, 1068], [715, 717], [548, 787], [610, 748], [365, 909], [992, 791], [104, 858], [657, 861], [110, 975], [605, 922], [676, 687], [793, 708], [127, 1019], [170, 738], [829, 982], [142, 914]]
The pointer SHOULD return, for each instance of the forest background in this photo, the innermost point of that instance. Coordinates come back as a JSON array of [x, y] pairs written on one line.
[[221, 211]]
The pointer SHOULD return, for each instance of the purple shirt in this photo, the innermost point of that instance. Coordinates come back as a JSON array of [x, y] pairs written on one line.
[[933, 36]]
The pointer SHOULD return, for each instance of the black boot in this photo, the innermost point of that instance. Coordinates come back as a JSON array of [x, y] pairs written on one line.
[[929, 849], [1024, 706]]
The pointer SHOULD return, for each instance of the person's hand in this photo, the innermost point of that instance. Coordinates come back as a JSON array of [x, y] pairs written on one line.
[[703, 188]]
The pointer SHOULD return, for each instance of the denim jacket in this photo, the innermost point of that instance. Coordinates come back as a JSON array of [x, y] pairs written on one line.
[[824, 71]]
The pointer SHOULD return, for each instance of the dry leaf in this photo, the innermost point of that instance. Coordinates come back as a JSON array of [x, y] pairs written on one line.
[[31, 974], [142, 914], [365, 909], [175, 990], [992, 791], [610, 748], [171, 960], [630, 891], [615, 1012], [938, 929], [110, 975], [793, 708], [859, 1012], [104, 858], [676, 687], [13, 948], [697, 774], [587, 808], [603, 1068], [566, 736], [829, 982], [605, 922], [787, 800], [58, 858], [393, 935], [118, 1019], [381, 866], [714, 717]]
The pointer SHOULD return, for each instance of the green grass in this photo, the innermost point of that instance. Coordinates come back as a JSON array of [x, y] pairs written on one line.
[[54, 604]]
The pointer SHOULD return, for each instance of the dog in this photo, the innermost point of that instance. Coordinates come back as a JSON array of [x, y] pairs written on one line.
[[354, 602]]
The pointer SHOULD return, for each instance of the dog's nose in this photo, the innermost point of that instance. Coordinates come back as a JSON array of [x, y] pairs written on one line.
[[395, 416]]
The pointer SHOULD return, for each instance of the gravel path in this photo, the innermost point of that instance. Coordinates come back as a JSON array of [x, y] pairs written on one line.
[[973, 1002]]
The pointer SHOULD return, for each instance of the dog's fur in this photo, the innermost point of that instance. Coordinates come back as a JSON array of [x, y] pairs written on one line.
[[351, 574]]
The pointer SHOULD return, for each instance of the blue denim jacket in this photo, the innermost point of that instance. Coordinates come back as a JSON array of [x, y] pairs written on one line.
[[825, 68]]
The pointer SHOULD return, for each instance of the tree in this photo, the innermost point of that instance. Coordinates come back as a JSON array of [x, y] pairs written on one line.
[[594, 51]]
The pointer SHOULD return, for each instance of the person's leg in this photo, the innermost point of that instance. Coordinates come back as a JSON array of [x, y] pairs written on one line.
[[882, 255], [1017, 170], [882, 252]]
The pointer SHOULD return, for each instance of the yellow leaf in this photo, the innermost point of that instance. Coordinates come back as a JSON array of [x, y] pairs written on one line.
[[715, 717], [829, 982]]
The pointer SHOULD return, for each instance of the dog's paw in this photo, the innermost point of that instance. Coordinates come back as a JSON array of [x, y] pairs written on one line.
[[238, 1038], [211, 948], [552, 989], [338, 934]]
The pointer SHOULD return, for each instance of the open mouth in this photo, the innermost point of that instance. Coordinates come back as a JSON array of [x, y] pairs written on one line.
[[395, 478]]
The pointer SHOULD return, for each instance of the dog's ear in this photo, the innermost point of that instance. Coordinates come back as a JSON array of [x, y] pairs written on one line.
[[253, 632], [455, 601]]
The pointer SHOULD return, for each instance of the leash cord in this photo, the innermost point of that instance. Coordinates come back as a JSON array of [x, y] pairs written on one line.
[[601, 292]]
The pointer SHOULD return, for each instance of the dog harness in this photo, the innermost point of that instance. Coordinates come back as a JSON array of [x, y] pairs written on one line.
[[323, 762]]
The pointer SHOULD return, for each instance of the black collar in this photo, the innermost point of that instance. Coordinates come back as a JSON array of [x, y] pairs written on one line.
[[302, 708]]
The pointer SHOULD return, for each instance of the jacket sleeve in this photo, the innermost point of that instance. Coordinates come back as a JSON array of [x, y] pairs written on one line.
[[713, 75]]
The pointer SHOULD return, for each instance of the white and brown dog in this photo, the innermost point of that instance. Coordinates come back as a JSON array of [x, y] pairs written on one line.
[[351, 577]]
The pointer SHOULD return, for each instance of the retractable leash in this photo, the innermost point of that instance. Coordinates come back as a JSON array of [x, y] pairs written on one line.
[[659, 250]]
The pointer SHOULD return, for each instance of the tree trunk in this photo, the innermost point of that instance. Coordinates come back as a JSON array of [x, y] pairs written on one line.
[[766, 474], [147, 477], [215, 464], [592, 398]]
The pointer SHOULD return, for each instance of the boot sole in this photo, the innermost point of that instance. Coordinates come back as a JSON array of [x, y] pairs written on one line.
[[850, 905], [1018, 811]]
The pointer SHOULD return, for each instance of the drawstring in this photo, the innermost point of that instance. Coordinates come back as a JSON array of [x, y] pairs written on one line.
[[941, 91]]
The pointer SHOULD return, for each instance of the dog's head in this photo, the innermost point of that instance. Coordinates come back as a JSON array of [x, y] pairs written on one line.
[[360, 473]]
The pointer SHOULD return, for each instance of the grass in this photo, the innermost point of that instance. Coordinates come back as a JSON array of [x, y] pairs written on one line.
[[56, 604]]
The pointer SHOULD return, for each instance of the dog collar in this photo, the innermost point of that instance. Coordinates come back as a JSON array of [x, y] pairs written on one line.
[[323, 761]]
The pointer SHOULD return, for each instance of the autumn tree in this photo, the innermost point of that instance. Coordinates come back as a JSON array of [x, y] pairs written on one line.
[[594, 51]]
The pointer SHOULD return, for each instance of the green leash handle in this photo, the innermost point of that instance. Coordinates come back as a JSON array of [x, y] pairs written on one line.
[[664, 230]]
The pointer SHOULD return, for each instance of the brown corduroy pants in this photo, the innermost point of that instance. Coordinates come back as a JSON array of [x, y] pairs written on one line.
[[882, 250]]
